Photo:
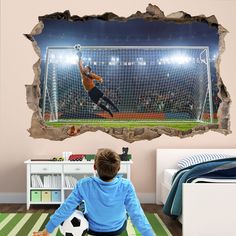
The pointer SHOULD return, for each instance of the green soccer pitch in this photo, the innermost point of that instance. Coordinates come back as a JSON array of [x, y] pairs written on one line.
[[175, 124]]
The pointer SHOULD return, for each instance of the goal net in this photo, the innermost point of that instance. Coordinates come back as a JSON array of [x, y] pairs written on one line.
[[144, 82]]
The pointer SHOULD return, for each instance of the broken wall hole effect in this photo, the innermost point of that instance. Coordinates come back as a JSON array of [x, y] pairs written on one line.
[[39, 129]]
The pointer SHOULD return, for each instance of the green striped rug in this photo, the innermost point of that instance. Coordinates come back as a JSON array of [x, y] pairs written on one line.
[[24, 224]]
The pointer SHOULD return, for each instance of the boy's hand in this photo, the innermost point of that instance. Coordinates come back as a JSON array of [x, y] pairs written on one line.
[[41, 233], [77, 47]]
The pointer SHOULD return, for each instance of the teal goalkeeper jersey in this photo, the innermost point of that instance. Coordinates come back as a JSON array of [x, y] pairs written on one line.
[[106, 205]]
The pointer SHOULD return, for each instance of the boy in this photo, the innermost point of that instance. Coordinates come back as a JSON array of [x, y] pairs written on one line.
[[108, 198]]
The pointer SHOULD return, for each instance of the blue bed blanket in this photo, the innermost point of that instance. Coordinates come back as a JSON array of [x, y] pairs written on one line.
[[224, 168]]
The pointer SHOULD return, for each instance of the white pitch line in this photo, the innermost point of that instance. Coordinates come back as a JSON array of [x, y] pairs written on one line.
[[6, 220], [38, 224], [163, 225], [55, 232], [20, 224], [130, 228]]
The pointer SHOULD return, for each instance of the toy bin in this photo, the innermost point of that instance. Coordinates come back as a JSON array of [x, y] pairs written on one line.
[[46, 196], [35, 196], [56, 196]]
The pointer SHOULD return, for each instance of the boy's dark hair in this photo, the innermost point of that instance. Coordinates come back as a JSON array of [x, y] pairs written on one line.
[[107, 163]]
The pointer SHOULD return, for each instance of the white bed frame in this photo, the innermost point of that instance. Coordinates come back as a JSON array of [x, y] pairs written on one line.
[[208, 209]]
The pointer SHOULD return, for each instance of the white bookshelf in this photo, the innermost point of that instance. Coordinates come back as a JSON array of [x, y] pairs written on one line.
[[75, 169]]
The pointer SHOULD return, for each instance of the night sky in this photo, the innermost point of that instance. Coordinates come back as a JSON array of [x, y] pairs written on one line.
[[137, 32]]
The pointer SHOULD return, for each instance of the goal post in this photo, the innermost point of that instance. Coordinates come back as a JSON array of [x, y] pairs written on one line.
[[147, 83]]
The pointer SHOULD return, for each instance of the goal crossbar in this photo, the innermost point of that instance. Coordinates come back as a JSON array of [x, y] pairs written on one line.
[[129, 47], [204, 48]]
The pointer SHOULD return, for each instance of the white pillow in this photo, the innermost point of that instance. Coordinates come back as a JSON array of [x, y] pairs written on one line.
[[200, 158]]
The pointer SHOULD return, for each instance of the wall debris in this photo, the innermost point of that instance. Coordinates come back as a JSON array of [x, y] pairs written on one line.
[[38, 127]]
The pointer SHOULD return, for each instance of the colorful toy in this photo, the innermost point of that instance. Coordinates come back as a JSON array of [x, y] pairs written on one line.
[[125, 156], [58, 158], [89, 157], [76, 157]]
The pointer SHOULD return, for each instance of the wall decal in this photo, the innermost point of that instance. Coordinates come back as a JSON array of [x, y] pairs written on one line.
[[134, 78]]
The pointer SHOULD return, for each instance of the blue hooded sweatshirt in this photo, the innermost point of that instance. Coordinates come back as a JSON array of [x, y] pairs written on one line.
[[106, 205]]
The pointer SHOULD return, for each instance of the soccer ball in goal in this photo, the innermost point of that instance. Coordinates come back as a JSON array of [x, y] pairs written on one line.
[[77, 47], [146, 83]]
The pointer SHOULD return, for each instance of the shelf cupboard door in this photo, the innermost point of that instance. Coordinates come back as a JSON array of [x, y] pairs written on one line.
[[44, 168], [77, 168]]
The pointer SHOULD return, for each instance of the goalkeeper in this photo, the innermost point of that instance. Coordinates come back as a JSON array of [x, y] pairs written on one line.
[[94, 93]]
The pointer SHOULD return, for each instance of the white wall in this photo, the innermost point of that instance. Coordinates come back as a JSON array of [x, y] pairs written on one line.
[[17, 57]]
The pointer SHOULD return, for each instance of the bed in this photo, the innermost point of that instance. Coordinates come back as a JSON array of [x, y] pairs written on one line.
[[208, 207]]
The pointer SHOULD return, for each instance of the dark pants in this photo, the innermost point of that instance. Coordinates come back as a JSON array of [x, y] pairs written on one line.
[[95, 94], [114, 233]]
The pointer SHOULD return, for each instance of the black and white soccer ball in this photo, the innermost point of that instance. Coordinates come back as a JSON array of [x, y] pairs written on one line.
[[77, 47], [75, 225]]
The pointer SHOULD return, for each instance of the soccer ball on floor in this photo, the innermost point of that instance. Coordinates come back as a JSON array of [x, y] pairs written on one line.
[[75, 225]]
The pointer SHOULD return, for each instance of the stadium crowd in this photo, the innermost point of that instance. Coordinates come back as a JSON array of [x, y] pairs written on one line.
[[132, 90]]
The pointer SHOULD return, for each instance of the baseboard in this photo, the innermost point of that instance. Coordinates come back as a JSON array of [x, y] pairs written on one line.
[[147, 197], [13, 197], [21, 197]]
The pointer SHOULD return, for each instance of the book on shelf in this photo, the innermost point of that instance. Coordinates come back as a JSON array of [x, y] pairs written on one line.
[[70, 181], [47, 181], [36, 181], [39, 181]]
